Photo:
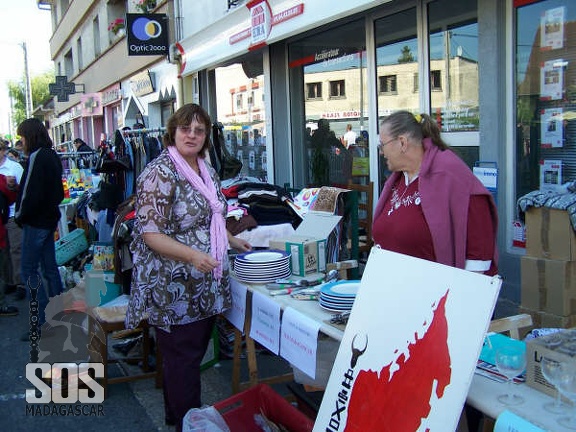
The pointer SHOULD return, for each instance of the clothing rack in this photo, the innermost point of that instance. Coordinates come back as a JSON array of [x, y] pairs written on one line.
[[75, 154], [143, 131]]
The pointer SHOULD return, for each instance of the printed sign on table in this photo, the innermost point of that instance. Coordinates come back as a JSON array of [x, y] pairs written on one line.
[[299, 341], [237, 313], [265, 324], [410, 347]]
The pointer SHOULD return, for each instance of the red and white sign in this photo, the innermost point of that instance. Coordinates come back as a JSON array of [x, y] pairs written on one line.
[[260, 22]]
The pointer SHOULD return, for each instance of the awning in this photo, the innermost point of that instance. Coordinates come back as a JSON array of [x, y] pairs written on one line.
[[234, 35]]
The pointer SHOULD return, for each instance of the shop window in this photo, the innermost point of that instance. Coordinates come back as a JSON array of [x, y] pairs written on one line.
[[453, 64], [243, 114], [337, 89], [388, 84], [314, 90], [545, 74], [436, 80]]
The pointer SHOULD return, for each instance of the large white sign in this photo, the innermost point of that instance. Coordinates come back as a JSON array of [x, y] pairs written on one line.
[[410, 347]]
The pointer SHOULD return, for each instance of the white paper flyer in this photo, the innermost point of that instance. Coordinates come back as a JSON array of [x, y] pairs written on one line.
[[552, 29], [551, 129], [552, 80]]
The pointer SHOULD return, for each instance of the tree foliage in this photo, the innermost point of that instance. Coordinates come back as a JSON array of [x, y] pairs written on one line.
[[406, 56], [40, 94]]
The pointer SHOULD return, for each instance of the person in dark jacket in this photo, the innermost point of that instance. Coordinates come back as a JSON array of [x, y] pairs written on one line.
[[84, 149], [81, 146], [37, 212]]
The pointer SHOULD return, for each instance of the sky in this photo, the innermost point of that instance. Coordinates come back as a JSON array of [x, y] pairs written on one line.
[[23, 22]]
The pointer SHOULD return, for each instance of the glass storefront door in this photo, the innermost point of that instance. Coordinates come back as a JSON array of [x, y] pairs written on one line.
[[240, 94], [328, 78]]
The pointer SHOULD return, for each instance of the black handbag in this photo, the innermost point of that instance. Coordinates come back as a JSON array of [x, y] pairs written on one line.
[[225, 164]]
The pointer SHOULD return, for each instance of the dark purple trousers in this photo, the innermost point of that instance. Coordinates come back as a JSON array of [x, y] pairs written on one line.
[[182, 352]]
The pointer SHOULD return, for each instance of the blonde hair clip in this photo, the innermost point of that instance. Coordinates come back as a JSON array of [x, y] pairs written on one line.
[[418, 118]]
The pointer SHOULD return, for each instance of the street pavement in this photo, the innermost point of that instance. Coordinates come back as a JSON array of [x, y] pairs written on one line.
[[128, 407]]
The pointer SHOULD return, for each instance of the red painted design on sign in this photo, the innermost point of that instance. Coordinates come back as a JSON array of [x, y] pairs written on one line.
[[399, 401]]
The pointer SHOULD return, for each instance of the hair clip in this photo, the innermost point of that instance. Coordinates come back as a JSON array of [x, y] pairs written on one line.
[[418, 118]]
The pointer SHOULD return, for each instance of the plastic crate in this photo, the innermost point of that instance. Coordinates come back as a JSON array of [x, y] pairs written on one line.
[[70, 246], [239, 410]]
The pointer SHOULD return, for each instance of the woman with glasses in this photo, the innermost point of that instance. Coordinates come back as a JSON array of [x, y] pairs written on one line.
[[180, 276], [432, 206]]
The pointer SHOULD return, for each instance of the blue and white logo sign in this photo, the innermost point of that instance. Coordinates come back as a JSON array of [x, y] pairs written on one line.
[[147, 34]]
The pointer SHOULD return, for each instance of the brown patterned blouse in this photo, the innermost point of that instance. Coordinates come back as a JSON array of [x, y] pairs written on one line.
[[165, 291]]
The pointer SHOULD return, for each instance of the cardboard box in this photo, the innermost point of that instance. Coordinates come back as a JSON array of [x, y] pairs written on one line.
[[308, 245], [100, 287], [549, 234], [543, 347], [547, 320], [548, 285]]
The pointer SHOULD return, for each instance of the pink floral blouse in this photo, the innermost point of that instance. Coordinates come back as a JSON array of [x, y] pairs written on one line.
[[165, 291]]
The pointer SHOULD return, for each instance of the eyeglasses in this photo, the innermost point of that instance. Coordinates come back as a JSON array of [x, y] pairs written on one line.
[[187, 129], [382, 144]]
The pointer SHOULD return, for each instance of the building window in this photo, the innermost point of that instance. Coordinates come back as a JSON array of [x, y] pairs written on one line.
[[96, 37], [79, 54], [239, 101], [69, 64], [416, 85], [435, 80], [314, 90], [337, 89], [388, 84]]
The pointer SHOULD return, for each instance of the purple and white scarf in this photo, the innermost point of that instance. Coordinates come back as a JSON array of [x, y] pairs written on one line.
[[204, 184]]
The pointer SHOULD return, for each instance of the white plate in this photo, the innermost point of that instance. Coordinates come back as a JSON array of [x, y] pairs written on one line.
[[334, 309], [325, 300], [270, 269], [262, 256], [263, 279], [341, 289]]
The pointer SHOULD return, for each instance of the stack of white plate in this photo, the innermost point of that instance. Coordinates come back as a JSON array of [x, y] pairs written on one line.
[[339, 296], [262, 266]]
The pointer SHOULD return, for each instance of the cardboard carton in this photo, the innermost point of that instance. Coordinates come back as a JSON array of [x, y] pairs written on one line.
[[308, 245], [549, 234], [557, 346], [548, 285], [547, 320]]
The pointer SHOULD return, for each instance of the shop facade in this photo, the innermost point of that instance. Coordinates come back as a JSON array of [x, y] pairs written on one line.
[[274, 68], [89, 46]]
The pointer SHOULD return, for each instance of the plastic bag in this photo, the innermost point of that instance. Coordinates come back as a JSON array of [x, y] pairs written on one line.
[[205, 419]]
